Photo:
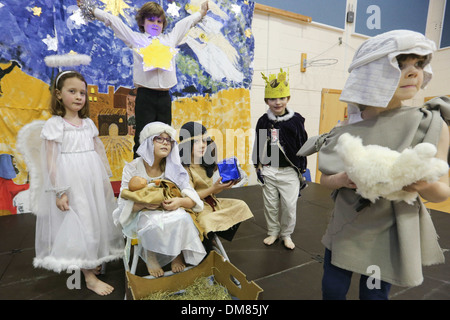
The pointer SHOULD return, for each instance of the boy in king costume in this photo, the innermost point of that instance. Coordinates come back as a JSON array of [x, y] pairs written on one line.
[[280, 133]]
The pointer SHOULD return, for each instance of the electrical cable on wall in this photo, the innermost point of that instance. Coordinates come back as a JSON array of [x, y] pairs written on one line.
[[321, 62], [314, 62]]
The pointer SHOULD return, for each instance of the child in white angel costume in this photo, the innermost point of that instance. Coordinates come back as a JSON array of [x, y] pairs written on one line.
[[72, 196]]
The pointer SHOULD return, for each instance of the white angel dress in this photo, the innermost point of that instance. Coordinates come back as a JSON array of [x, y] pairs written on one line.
[[73, 160], [164, 234]]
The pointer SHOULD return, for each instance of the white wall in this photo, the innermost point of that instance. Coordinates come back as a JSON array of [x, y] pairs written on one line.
[[279, 42]]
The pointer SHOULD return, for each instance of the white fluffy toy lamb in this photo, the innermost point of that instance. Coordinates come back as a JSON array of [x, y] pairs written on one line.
[[381, 172]]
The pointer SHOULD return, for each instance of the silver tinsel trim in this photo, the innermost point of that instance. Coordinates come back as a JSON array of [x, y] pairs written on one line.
[[87, 10]]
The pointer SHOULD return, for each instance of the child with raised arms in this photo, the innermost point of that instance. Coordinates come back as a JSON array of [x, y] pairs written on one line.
[[153, 100]]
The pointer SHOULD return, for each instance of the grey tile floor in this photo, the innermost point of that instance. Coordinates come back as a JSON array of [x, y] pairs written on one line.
[[282, 274]]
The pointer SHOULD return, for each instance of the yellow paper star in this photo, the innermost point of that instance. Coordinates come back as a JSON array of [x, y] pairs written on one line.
[[248, 33], [37, 11], [157, 55]]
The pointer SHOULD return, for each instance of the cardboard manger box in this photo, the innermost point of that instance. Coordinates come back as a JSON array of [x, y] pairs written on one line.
[[214, 265]]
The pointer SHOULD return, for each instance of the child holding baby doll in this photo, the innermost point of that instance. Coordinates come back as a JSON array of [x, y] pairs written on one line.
[[165, 230]]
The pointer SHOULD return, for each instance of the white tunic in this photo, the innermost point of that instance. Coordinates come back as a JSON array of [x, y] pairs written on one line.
[[155, 78], [164, 233]]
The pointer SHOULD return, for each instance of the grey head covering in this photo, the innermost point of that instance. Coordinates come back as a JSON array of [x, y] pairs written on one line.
[[374, 71], [174, 170]]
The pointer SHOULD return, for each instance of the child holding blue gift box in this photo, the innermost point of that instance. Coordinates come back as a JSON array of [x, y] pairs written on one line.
[[220, 215], [280, 133], [229, 170]]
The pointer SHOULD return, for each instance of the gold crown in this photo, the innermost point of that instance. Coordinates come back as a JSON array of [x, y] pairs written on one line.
[[277, 86]]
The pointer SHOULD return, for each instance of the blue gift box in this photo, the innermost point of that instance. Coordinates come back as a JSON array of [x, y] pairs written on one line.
[[228, 169]]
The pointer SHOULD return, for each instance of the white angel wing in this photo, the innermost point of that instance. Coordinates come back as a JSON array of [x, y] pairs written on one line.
[[29, 144]]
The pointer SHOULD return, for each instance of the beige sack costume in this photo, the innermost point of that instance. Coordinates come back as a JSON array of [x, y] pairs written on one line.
[[219, 214], [397, 237]]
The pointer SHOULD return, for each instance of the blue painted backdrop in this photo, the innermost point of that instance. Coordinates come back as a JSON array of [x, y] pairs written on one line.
[[33, 29]]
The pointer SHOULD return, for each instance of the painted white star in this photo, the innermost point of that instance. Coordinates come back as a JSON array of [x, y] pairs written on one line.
[[1, 5], [173, 9], [236, 8], [52, 43], [75, 20]]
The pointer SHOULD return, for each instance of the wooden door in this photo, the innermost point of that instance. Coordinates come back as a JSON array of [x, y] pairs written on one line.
[[332, 111]]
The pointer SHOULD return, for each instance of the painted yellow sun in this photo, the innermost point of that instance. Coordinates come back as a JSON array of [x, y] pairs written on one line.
[[116, 7]]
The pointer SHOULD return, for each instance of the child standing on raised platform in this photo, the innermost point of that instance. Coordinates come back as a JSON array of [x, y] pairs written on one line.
[[153, 100]]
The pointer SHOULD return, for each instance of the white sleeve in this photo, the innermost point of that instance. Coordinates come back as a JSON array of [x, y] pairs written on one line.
[[131, 38], [51, 152], [182, 27], [100, 149], [124, 212], [191, 193]]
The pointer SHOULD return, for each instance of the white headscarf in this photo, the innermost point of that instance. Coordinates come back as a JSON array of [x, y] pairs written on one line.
[[374, 71], [174, 171]]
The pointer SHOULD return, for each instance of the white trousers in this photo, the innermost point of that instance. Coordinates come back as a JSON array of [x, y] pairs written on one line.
[[280, 194]]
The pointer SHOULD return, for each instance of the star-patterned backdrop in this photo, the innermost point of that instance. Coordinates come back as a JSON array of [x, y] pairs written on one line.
[[214, 70], [31, 30]]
